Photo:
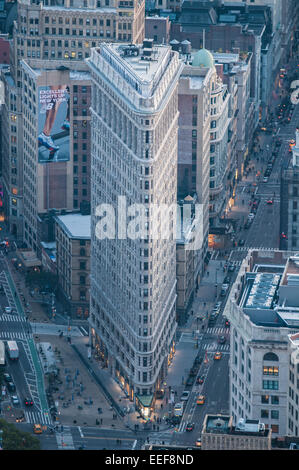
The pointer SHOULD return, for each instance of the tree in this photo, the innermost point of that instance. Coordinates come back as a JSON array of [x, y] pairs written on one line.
[[13, 439], [42, 279]]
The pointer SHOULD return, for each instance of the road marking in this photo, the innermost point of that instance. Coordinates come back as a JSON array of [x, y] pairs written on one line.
[[80, 431], [134, 444]]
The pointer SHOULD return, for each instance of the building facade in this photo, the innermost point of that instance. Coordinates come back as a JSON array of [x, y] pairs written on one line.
[[134, 160], [61, 33], [293, 396], [289, 195], [72, 235], [195, 88], [219, 433], [55, 178], [263, 310]]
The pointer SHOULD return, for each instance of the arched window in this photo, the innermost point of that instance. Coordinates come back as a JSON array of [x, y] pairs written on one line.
[[270, 357]]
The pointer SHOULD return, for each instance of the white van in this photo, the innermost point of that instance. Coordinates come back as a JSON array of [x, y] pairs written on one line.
[[178, 409]]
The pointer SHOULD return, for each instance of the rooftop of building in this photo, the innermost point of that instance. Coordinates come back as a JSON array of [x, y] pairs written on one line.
[[203, 58], [81, 9], [291, 273], [196, 15], [222, 424], [76, 225], [144, 61], [268, 290]]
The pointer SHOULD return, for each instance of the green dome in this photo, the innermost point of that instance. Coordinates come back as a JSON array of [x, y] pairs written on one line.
[[203, 58]]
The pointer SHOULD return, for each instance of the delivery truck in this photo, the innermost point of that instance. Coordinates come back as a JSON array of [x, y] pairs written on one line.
[[13, 350], [2, 355]]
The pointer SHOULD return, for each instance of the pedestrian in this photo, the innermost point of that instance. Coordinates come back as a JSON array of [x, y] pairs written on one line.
[[161, 406]]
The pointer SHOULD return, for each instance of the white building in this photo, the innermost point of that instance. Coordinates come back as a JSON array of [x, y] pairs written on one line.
[[293, 396], [134, 155], [263, 309], [236, 72]]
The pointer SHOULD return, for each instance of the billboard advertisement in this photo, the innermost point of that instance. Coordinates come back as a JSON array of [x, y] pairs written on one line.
[[53, 124]]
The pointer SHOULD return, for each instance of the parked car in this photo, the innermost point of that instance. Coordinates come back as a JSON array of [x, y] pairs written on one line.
[[231, 268], [185, 395], [7, 377], [8, 310], [189, 381], [251, 216], [175, 420], [241, 242], [11, 386], [15, 400], [265, 179], [200, 380]]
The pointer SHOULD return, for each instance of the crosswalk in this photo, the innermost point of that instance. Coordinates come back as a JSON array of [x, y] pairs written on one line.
[[15, 335], [39, 417], [190, 337], [212, 347], [65, 439], [217, 331], [259, 248], [12, 317], [236, 263]]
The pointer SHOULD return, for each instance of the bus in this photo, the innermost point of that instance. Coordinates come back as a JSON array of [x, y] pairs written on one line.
[[2, 354]]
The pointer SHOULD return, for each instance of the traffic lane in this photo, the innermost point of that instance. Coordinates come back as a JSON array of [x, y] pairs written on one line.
[[264, 230], [18, 370], [216, 389], [216, 392]]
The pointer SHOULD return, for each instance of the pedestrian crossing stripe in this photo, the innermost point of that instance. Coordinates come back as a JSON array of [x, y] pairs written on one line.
[[260, 248], [218, 331], [216, 347], [13, 317], [34, 417], [14, 336]]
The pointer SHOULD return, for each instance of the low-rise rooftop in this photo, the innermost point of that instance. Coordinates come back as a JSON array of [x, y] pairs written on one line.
[[75, 225]]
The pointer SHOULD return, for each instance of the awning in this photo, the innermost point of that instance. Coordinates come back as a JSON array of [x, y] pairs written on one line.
[[145, 400], [29, 258]]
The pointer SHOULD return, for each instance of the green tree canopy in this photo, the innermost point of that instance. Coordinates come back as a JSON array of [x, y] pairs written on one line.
[[13, 439]]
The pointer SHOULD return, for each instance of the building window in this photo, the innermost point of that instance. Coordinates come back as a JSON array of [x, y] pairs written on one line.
[[270, 384], [274, 414], [270, 370], [275, 428], [275, 400], [264, 413], [270, 357], [265, 399]]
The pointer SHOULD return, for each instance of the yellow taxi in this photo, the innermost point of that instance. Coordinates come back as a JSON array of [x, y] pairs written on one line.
[[37, 429], [200, 400], [217, 356], [198, 443]]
